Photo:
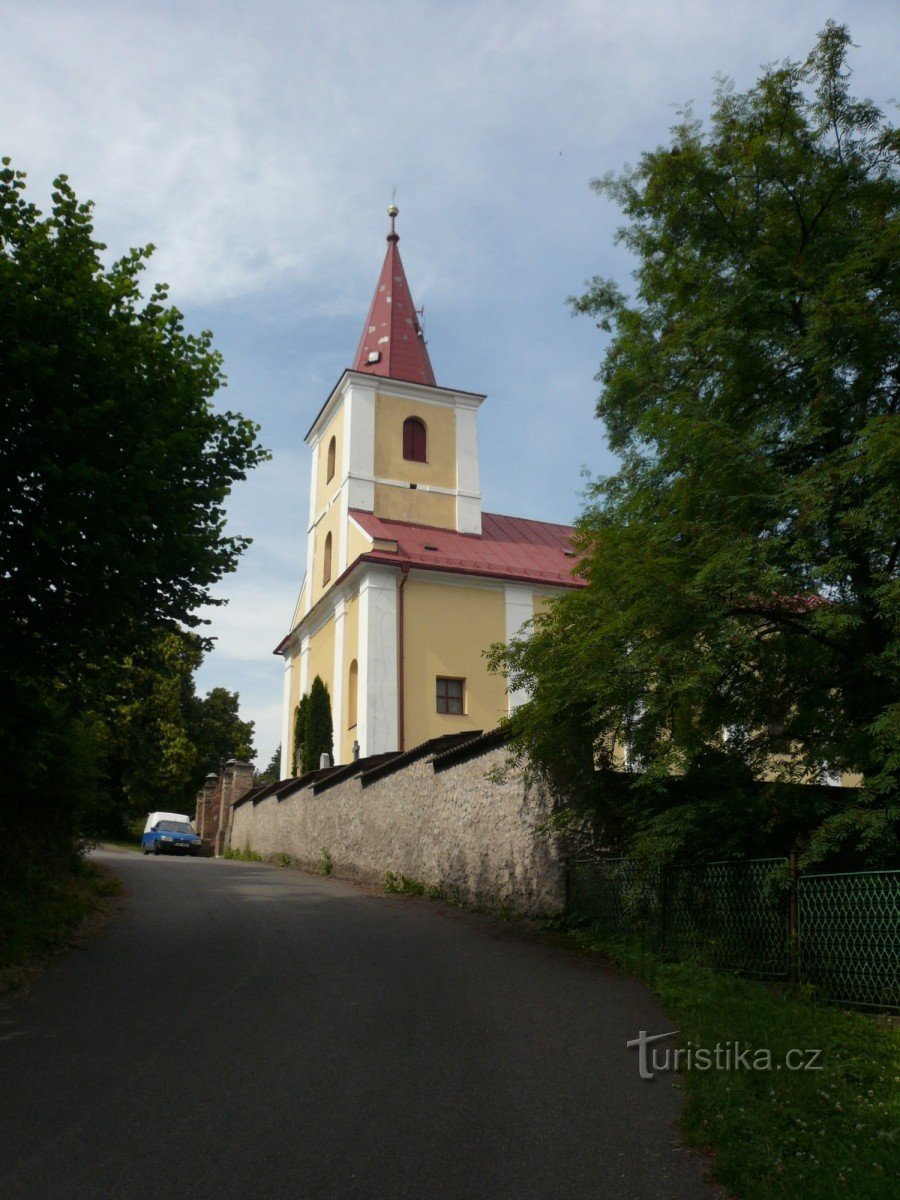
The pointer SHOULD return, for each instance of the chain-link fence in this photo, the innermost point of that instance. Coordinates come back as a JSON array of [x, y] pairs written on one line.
[[849, 936], [622, 893], [729, 914], [839, 933]]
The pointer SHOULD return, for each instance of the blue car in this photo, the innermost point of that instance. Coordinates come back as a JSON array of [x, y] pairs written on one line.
[[167, 835]]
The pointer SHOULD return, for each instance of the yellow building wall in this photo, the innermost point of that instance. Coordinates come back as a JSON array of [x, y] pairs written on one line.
[[445, 630], [421, 508], [326, 490], [321, 656], [345, 736], [295, 700], [357, 543], [440, 428], [330, 523], [301, 604]]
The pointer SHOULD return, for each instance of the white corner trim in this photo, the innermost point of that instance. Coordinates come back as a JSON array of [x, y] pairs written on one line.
[[519, 608], [286, 732]]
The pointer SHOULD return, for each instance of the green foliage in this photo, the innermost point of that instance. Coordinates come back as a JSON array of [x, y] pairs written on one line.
[[219, 733], [300, 732], [326, 863], [242, 854], [115, 464], [41, 916], [317, 731], [741, 566], [158, 739], [402, 884], [272, 773], [780, 1133], [114, 470]]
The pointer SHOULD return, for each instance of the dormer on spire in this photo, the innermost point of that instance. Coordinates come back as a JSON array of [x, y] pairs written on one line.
[[393, 344]]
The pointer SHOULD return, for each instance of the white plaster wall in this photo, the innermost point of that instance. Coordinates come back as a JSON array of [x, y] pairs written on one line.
[[458, 829]]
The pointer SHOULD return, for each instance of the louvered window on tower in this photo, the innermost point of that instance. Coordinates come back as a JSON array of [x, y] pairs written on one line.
[[414, 440]]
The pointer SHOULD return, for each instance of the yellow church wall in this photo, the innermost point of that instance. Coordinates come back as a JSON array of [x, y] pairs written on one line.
[[321, 656], [445, 630], [345, 736], [357, 543], [300, 608], [422, 508], [325, 488], [440, 427], [294, 701], [330, 523]]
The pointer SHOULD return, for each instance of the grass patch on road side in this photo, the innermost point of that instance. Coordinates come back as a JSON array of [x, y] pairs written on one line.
[[242, 855], [42, 914], [400, 884], [778, 1134]]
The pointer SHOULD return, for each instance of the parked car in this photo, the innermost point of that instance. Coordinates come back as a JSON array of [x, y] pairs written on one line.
[[170, 833]]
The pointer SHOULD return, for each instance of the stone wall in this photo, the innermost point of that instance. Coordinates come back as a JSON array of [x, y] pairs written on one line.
[[456, 827]]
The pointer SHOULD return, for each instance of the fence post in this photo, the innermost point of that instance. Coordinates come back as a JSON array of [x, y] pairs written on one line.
[[793, 931]]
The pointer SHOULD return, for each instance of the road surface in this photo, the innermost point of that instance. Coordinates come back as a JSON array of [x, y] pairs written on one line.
[[244, 1031]]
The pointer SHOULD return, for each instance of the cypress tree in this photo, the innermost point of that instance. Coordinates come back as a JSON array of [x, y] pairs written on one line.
[[300, 733], [317, 726]]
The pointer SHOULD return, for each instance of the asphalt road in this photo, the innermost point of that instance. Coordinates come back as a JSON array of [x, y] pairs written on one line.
[[244, 1031]]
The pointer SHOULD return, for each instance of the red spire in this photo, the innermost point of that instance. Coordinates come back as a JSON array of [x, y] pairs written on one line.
[[392, 344]]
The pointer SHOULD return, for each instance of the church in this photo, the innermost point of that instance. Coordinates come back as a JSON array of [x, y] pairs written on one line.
[[408, 580]]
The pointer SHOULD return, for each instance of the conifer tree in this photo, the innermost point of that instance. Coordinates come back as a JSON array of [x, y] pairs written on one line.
[[318, 737]]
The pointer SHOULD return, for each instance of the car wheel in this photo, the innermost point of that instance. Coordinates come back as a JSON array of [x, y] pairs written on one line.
[[156, 848]]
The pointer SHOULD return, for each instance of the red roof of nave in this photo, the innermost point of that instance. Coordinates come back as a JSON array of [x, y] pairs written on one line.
[[514, 548]]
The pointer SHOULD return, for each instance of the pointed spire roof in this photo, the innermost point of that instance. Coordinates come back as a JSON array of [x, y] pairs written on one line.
[[393, 344]]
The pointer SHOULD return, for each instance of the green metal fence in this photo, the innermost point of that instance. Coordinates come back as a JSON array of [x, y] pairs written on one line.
[[849, 936], [621, 893], [843, 929], [730, 914]]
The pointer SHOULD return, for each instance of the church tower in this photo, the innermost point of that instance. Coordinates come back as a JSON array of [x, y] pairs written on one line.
[[407, 581]]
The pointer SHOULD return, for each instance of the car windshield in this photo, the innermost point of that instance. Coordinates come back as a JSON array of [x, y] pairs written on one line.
[[174, 827]]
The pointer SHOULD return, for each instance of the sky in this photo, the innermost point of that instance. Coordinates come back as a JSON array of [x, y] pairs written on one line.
[[257, 146]]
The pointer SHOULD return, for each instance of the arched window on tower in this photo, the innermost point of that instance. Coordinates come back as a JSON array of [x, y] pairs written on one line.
[[352, 686], [326, 560], [332, 451], [414, 440]]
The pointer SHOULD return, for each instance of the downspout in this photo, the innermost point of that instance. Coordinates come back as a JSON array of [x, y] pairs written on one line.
[[404, 575]]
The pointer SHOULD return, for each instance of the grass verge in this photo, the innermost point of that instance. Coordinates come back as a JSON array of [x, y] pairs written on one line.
[[820, 1134], [41, 916], [242, 855]]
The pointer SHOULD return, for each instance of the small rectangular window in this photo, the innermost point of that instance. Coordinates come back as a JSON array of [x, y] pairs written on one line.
[[450, 695]]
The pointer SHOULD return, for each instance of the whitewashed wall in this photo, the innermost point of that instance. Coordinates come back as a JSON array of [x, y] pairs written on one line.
[[459, 829]]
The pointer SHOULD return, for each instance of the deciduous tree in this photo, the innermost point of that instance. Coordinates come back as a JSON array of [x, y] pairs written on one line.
[[741, 566], [114, 469]]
